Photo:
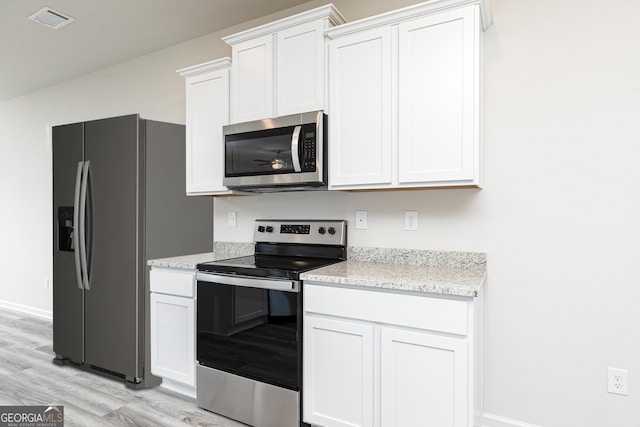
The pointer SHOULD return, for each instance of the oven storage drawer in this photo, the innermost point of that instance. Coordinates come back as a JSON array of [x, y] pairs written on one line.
[[245, 400]]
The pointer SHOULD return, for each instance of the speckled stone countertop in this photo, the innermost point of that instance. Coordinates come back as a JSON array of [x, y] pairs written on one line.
[[439, 272], [221, 250]]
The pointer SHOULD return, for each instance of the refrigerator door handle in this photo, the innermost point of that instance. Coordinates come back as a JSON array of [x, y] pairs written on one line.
[[83, 234], [76, 229], [89, 227]]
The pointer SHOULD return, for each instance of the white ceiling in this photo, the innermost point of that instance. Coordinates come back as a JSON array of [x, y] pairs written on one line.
[[105, 32]]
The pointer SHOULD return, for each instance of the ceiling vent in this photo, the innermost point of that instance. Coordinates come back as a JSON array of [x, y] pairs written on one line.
[[51, 18]]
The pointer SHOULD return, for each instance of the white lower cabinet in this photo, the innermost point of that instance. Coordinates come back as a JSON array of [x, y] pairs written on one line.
[[423, 379], [338, 363], [172, 328], [382, 359]]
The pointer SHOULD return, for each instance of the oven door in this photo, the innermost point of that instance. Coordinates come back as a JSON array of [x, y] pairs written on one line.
[[250, 327]]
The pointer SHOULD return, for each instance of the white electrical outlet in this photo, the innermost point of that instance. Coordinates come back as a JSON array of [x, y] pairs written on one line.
[[46, 284], [617, 381], [361, 220], [231, 219], [411, 220]]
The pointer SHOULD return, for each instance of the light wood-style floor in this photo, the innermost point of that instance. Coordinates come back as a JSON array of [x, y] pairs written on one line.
[[29, 377]]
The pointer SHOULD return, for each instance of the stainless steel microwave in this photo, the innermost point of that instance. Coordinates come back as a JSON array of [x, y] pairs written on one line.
[[287, 153]]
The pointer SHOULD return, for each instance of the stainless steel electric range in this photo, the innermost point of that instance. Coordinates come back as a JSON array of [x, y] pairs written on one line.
[[249, 321]]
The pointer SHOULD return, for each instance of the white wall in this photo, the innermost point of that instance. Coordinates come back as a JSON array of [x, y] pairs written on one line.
[[558, 217], [562, 102]]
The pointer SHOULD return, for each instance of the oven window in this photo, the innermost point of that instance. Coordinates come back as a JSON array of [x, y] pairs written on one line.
[[265, 152], [249, 332]]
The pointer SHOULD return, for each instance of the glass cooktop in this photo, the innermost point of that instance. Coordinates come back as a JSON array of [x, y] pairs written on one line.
[[266, 266]]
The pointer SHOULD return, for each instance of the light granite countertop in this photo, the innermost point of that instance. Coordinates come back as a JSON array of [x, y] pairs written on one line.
[[439, 272], [401, 277], [188, 262], [221, 250]]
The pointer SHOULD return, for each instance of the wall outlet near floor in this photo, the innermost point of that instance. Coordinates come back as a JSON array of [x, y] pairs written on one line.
[[411, 220], [46, 283], [617, 381], [361, 220], [231, 219]]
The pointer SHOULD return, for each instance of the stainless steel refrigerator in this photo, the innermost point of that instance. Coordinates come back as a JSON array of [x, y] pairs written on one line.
[[118, 200]]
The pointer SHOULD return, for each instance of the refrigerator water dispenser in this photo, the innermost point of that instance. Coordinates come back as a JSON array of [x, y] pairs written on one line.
[[65, 228]]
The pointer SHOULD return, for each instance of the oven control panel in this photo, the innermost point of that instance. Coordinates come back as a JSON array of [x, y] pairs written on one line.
[[295, 229], [329, 232]]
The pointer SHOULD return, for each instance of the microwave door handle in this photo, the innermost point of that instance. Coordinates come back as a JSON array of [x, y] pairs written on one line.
[[295, 154]]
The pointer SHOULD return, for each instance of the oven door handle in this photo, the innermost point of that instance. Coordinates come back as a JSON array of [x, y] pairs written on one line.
[[250, 282]]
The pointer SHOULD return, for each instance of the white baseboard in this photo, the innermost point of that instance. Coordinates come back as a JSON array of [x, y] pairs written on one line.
[[491, 420], [27, 309]]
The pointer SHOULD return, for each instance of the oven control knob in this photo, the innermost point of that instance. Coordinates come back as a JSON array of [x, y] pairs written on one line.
[[332, 230], [269, 229], [321, 230], [261, 229]]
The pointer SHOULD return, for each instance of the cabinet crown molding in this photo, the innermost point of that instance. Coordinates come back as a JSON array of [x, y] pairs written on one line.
[[333, 16], [205, 67], [411, 12]]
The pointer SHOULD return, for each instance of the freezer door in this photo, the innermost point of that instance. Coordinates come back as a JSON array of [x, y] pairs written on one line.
[[113, 332], [68, 300]]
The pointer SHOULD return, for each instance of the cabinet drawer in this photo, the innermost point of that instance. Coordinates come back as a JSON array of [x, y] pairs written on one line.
[[414, 311], [173, 282]]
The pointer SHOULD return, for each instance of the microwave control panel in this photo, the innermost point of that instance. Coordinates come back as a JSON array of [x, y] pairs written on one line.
[[309, 150]]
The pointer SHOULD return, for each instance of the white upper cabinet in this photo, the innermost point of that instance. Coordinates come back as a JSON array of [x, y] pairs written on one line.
[[252, 79], [360, 138], [300, 65], [207, 108], [438, 98], [279, 68], [405, 98]]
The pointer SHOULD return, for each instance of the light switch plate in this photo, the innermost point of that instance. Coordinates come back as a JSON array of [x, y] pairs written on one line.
[[231, 219]]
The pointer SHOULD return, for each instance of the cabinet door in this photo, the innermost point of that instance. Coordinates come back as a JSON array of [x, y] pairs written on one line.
[[423, 379], [173, 338], [300, 69], [338, 372], [439, 99], [252, 81], [360, 139], [207, 111]]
